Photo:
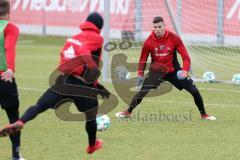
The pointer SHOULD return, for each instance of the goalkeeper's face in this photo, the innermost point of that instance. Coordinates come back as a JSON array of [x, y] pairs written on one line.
[[159, 29]]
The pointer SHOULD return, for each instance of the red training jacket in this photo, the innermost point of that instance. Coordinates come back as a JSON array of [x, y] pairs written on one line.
[[163, 51], [85, 44], [11, 33]]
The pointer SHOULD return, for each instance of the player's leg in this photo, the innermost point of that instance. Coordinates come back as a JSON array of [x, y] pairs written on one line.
[[48, 100], [137, 99], [90, 106], [189, 86], [193, 90], [10, 103], [152, 81], [91, 128]]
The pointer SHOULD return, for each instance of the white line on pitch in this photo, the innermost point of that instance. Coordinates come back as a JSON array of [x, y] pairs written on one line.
[[208, 89], [32, 77], [219, 90], [37, 56], [182, 102], [31, 89], [208, 104]]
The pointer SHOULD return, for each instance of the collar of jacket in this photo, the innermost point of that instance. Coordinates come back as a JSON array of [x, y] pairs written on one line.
[[153, 36], [89, 26]]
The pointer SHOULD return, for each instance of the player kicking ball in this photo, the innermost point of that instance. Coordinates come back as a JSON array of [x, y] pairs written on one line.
[[79, 68], [163, 47]]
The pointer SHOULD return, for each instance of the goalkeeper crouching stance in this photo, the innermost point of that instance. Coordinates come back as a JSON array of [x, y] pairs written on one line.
[[79, 68], [163, 47]]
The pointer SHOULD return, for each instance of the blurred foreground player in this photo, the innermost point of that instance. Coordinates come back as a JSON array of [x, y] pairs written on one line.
[[8, 88]]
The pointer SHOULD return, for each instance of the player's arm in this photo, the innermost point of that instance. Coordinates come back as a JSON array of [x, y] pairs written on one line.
[[92, 61], [185, 57], [142, 63], [143, 59], [92, 72], [11, 34]]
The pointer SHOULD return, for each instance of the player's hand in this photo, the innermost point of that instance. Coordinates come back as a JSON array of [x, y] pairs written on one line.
[[7, 76], [139, 81], [104, 93], [181, 74]]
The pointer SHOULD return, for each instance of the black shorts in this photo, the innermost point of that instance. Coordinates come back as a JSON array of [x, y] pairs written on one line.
[[9, 87], [55, 97], [52, 99], [155, 79], [178, 83], [9, 95]]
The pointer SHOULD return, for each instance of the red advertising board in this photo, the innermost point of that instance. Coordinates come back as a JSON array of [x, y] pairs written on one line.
[[197, 17]]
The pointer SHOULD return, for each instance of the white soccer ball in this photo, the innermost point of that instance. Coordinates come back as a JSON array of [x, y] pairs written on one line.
[[122, 72], [236, 79], [103, 122], [209, 76]]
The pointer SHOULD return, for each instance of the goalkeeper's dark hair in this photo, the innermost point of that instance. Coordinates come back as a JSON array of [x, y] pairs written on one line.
[[157, 19], [4, 7]]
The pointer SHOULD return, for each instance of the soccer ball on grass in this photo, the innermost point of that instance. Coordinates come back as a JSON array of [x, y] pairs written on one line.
[[236, 79], [209, 76], [103, 122]]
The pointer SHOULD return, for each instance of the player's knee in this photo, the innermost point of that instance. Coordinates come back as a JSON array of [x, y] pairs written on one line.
[[91, 123], [91, 114], [13, 114], [11, 105], [194, 90]]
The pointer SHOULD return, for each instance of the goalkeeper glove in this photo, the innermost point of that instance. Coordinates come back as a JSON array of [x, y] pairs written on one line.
[[139, 81], [181, 74]]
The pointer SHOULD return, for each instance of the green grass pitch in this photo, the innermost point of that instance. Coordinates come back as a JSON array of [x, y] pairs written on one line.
[[48, 138]]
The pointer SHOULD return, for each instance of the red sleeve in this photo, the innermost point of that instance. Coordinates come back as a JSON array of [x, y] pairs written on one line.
[[11, 33], [143, 59], [88, 59], [184, 54], [96, 44]]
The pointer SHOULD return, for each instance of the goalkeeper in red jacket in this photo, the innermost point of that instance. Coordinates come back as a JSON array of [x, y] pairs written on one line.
[[163, 47]]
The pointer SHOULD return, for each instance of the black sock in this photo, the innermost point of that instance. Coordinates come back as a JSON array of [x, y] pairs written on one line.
[[91, 128], [15, 150], [199, 102], [13, 116], [130, 109]]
